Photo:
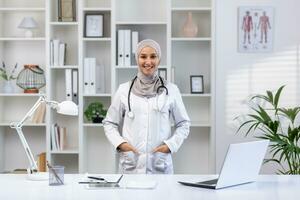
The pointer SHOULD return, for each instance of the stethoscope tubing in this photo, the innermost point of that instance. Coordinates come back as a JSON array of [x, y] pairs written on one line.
[[162, 86]]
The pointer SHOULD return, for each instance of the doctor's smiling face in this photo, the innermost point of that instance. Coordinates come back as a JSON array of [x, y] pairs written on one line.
[[148, 61]]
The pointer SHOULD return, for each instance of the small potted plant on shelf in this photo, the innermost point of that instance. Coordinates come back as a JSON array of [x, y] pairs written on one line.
[[95, 112], [7, 77]]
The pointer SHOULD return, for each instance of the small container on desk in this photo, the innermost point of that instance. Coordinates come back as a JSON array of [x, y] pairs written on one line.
[[56, 175]]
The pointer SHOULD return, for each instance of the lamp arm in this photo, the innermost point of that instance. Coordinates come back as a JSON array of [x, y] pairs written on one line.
[[18, 126]]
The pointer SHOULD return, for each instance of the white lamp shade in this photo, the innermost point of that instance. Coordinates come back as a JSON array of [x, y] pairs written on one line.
[[67, 108], [28, 23]]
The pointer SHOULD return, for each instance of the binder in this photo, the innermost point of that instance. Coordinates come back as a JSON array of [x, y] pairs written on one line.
[[100, 79], [127, 48], [51, 52], [75, 86], [55, 52], [86, 75], [121, 53], [134, 42], [92, 76], [62, 49], [68, 76]]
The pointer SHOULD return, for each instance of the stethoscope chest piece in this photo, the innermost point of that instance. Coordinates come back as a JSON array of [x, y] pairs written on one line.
[[130, 114]]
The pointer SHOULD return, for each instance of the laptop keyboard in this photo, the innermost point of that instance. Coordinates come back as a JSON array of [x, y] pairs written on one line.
[[210, 182]]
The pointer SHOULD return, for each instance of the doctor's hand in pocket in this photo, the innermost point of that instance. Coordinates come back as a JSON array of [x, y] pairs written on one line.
[[125, 146], [162, 148]]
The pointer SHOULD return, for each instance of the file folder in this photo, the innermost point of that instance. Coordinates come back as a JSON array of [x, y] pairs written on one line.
[[68, 76], [121, 50], [75, 86], [127, 47]]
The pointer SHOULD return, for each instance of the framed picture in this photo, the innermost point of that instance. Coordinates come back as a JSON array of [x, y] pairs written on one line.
[[162, 72], [255, 29], [66, 10], [93, 25], [197, 84]]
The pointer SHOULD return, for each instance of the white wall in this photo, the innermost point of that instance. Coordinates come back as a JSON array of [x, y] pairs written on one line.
[[239, 75]]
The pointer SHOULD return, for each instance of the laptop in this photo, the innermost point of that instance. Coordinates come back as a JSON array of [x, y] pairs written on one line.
[[241, 165]]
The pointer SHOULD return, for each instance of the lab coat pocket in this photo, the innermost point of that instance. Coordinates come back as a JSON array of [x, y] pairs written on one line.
[[160, 162], [128, 161]]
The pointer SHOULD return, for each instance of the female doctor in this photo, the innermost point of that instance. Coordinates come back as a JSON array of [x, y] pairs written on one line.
[[142, 110]]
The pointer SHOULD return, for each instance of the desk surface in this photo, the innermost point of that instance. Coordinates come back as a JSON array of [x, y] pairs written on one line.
[[267, 187]]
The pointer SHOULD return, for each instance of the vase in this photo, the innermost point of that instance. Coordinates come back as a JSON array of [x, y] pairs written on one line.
[[190, 29], [7, 87]]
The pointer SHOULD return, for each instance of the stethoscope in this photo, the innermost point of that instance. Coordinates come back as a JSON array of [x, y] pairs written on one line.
[[130, 114]]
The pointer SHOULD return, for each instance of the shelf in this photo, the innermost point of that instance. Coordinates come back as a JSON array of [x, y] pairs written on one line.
[[92, 125], [96, 9], [25, 125], [195, 95], [22, 9], [191, 9], [64, 67], [200, 124], [19, 95], [191, 39], [65, 152], [141, 23], [22, 39], [64, 23], [97, 39], [97, 95]]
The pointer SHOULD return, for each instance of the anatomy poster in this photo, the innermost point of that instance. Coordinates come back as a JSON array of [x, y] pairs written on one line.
[[255, 29]]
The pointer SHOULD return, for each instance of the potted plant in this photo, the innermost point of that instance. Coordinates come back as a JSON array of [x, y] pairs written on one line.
[[7, 77], [95, 112], [278, 125]]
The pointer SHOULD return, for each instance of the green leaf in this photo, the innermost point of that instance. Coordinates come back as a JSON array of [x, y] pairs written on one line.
[[277, 96]]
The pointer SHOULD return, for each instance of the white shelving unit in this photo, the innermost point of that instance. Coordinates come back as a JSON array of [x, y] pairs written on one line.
[[87, 148]]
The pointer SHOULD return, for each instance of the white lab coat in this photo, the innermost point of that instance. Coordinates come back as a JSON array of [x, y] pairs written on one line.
[[148, 129]]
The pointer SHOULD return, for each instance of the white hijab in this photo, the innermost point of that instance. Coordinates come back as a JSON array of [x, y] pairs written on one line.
[[146, 86]]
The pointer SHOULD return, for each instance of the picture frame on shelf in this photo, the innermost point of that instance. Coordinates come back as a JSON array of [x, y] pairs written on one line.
[[162, 72], [93, 25], [66, 10], [197, 84]]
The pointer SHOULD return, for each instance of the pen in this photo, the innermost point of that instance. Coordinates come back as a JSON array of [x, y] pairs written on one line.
[[96, 178], [91, 182], [54, 173]]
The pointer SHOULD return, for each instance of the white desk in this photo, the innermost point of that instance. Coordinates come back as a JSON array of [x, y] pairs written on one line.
[[266, 188]]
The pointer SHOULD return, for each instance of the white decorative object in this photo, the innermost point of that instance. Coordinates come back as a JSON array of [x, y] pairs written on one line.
[[190, 29], [65, 108], [28, 23]]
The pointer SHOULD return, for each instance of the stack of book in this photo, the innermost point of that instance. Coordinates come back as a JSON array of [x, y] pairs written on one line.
[[39, 115], [57, 52], [58, 137]]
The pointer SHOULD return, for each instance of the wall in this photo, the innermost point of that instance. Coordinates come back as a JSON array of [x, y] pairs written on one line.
[[239, 75]]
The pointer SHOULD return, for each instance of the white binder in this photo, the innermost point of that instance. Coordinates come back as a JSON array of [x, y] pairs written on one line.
[[92, 76], [62, 50], [127, 47], [75, 86], [121, 53], [134, 42], [100, 79], [68, 76], [86, 75], [55, 52]]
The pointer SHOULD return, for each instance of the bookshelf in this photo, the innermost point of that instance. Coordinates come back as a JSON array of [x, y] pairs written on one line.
[[87, 147]]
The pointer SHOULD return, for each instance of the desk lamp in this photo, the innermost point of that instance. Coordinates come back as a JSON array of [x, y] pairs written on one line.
[[65, 108]]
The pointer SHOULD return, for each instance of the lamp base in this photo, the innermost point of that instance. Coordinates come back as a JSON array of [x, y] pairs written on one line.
[[38, 176]]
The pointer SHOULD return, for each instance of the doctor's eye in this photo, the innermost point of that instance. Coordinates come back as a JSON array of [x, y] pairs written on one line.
[[153, 56]]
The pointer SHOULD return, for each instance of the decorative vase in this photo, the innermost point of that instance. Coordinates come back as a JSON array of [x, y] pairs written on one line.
[[190, 29], [8, 87]]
